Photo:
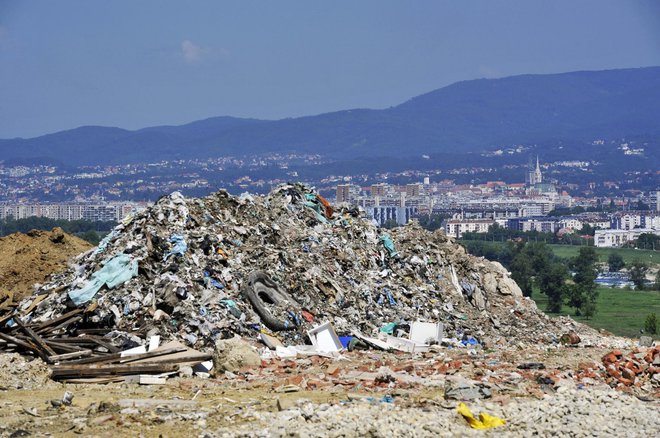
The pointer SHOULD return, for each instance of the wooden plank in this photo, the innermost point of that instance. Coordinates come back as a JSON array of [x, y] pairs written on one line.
[[74, 355], [186, 355], [103, 343], [58, 320], [36, 338], [20, 343], [67, 371], [6, 318], [35, 302], [114, 379], [117, 357], [65, 348], [59, 326], [91, 331]]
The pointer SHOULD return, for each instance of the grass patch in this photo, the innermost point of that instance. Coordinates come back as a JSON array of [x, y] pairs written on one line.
[[628, 254], [619, 311]]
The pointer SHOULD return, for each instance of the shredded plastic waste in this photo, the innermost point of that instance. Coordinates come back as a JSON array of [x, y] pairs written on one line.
[[389, 245], [115, 271], [180, 246]]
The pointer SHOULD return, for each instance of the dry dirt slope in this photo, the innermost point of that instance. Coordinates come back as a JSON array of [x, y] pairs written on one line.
[[26, 259]]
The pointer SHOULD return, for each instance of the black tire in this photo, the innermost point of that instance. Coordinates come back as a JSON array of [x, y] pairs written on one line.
[[258, 285]]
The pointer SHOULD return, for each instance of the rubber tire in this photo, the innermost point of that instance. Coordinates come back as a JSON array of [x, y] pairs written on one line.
[[259, 282]]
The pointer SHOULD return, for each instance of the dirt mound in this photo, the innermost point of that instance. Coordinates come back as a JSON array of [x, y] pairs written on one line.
[[26, 259]]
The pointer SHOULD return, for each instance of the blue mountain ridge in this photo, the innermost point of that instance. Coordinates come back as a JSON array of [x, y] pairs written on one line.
[[466, 116]]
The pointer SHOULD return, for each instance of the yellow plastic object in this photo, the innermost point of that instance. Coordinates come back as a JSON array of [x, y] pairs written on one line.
[[485, 421]]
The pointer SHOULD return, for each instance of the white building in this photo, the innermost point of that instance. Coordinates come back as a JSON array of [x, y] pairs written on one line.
[[456, 227], [617, 238]]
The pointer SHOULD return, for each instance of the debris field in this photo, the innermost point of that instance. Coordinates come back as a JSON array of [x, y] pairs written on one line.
[[273, 310]]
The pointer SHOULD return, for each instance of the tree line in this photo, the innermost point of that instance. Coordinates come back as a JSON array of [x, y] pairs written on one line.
[[533, 264], [91, 231]]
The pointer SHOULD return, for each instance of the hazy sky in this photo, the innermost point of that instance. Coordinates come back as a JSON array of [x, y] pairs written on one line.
[[133, 64]]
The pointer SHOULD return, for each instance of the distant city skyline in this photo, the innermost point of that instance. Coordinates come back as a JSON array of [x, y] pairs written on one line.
[[136, 64]]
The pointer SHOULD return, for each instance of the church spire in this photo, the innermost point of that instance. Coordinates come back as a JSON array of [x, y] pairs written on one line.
[[538, 178]]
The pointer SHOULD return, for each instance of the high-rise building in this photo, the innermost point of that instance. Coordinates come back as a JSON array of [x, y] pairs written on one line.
[[413, 189], [343, 193], [378, 189]]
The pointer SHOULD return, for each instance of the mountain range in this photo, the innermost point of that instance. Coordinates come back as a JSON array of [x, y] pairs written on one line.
[[467, 116]]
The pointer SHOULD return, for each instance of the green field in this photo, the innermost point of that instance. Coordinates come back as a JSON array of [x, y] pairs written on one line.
[[628, 254], [619, 311]]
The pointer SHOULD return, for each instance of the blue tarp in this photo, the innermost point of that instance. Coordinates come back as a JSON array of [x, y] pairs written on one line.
[[389, 245], [313, 204], [114, 272], [180, 246]]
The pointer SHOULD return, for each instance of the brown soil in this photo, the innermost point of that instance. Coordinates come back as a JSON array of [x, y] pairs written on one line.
[[26, 259]]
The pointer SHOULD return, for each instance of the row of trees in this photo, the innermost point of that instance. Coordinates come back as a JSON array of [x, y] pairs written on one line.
[[533, 265], [87, 230], [496, 233]]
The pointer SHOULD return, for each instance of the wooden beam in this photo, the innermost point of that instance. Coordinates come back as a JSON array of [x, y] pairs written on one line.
[[58, 319], [74, 355], [68, 371], [61, 325], [18, 342], [36, 338]]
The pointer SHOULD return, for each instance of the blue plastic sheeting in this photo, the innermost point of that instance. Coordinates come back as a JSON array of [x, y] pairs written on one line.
[[345, 340], [469, 341], [180, 246], [103, 244], [312, 203], [389, 328], [210, 280], [389, 245], [118, 270]]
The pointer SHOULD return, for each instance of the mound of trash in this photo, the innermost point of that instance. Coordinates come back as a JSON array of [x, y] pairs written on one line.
[[202, 269], [26, 259]]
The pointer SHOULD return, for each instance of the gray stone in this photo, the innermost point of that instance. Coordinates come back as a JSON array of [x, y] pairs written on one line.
[[490, 284], [507, 286], [462, 389], [646, 341], [478, 299]]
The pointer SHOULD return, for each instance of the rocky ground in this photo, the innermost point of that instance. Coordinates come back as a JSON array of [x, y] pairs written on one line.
[[541, 391]]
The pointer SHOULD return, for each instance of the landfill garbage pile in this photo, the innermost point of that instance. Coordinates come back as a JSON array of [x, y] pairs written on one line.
[[206, 268], [26, 259]]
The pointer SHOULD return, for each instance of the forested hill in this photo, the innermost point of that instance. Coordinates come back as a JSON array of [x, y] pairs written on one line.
[[466, 116]]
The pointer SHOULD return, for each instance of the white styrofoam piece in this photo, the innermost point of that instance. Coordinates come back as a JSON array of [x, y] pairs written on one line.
[[421, 332], [146, 379], [401, 344], [137, 350], [154, 342], [324, 338], [285, 352]]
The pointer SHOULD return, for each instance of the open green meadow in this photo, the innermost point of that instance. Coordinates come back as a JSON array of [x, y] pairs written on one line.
[[619, 311], [570, 251], [628, 254]]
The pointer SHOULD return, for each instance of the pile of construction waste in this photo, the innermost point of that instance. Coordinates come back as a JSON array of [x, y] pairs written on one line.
[[198, 270]]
